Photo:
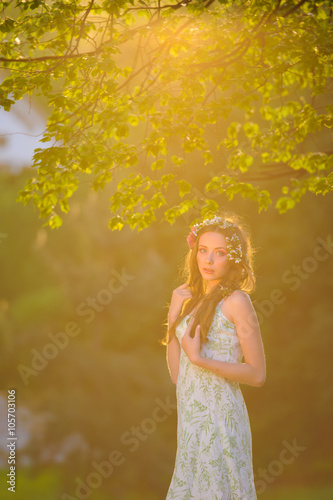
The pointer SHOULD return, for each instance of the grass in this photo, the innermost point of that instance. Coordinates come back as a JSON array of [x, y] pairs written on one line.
[[47, 486], [297, 493]]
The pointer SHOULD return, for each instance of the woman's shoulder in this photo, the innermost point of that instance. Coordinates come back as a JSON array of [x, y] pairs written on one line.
[[238, 296], [237, 300]]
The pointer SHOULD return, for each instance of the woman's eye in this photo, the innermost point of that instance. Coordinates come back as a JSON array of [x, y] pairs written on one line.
[[220, 253]]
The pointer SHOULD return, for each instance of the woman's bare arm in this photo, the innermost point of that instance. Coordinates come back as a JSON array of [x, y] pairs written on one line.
[[181, 293], [173, 356]]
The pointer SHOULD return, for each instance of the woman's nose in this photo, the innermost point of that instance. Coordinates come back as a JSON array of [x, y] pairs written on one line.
[[209, 257]]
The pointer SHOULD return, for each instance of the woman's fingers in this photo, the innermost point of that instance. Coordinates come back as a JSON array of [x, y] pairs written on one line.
[[197, 332], [189, 328]]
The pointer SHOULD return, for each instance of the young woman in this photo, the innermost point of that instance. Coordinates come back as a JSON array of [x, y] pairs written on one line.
[[211, 326]]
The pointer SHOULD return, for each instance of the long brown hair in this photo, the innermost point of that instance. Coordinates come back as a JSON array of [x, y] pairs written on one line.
[[238, 277]]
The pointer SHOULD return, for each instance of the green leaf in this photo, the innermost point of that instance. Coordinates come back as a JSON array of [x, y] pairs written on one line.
[[284, 204], [184, 187], [54, 221], [158, 164]]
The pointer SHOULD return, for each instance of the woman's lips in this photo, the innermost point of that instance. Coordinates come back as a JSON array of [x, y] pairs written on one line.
[[208, 271]]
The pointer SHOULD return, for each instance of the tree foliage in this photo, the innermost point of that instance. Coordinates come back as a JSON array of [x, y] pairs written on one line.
[[240, 87]]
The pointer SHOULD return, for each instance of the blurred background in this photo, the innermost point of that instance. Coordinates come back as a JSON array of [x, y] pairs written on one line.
[[82, 313]]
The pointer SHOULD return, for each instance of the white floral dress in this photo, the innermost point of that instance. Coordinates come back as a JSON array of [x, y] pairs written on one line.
[[214, 444]]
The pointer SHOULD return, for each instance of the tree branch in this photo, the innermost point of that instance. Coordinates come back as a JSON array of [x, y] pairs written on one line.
[[52, 58], [293, 9]]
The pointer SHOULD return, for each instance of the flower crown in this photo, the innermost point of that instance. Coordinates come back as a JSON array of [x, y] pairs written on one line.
[[234, 246]]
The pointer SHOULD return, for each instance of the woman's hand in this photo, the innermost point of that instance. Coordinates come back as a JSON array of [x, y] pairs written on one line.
[[183, 292], [191, 345]]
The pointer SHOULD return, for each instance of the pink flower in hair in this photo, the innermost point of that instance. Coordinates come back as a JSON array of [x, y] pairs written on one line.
[[191, 239]]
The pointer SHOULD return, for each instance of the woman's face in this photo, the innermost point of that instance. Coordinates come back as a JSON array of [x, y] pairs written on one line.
[[212, 257]]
